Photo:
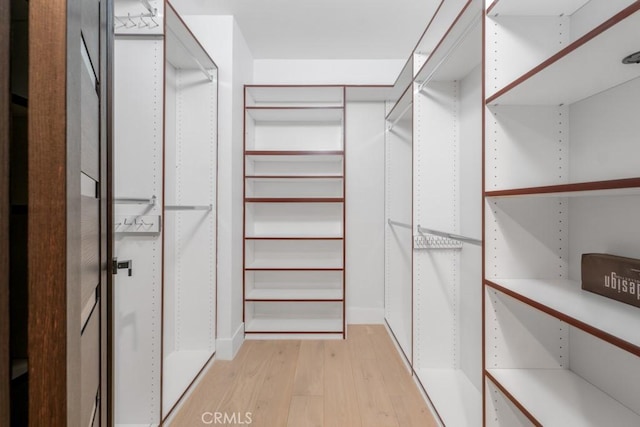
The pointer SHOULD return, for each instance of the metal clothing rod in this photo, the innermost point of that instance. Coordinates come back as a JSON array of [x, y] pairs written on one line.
[[391, 126], [399, 224], [450, 236], [458, 42], [202, 68], [188, 207], [136, 200]]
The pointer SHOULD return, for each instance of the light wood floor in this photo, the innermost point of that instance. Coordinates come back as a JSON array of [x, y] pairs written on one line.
[[297, 383]]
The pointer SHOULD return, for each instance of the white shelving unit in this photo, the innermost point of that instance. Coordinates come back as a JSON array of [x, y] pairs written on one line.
[[447, 166], [433, 178], [137, 190], [294, 253], [559, 182], [165, 155], [398, 310], [190, 172]]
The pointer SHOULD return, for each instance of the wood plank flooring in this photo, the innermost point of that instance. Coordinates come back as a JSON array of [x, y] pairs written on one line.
[[359, 382]]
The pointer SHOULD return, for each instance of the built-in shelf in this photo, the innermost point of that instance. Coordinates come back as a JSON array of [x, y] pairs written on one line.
[[609, 320], [289, 294], [294, 96], [180, 368], [595, 57], [294, 164], [296, 114], [457, 52], [287, 236], [616, 187], [183, 50], [294, 200], [457, 401], [404, 80], [297, 237], [294, 207], [558, 397], [294, 153], [535, 8], [294, 269], [402, 108], [295, 264], [294, 326], [292, 177]]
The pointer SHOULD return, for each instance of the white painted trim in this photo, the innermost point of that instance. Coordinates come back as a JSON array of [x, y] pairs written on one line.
[[226, 349], [365, 316]]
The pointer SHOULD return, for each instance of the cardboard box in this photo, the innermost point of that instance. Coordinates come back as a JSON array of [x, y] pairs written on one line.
[[612, 276]]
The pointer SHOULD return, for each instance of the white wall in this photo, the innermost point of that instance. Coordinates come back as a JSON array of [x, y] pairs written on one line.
[[220, 36], [327, 71], [365, 212]]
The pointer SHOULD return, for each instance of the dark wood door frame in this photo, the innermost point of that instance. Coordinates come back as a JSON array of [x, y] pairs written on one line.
[[54, 212], [5, 101]]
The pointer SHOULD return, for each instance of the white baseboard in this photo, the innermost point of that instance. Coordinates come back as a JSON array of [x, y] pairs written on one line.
[[226, 349], [365, 316]]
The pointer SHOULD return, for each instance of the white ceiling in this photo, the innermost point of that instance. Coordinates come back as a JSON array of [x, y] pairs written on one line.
[[323, 29]]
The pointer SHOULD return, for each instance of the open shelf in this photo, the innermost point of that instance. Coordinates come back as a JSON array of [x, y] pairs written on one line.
[[455, 398], [298, 164], [266, 178], [588, 66], [457, 53], [294, 153], [294, 219], [607, 319], [293, 254], [294, 285], [615, 187], [535, 8], [294, 187], [294, 238], [294, 326], [558, 397], [402, 108], [296, 114], [179, 369], [294, 295], [294, 317], [294, 200], [184, 51], [294, 207], [294, 96]]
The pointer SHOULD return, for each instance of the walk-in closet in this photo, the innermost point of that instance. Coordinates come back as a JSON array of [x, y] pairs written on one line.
[[407, 213]]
